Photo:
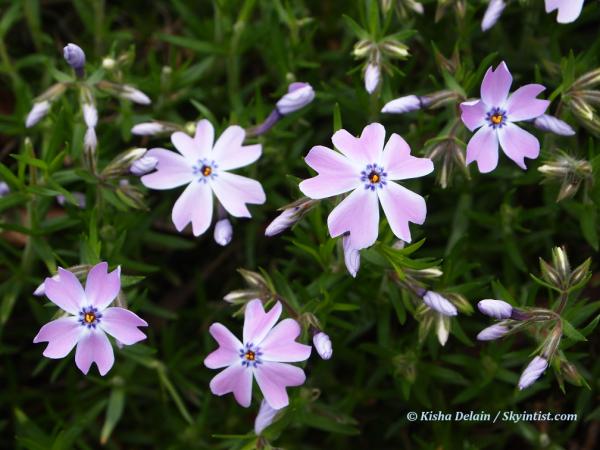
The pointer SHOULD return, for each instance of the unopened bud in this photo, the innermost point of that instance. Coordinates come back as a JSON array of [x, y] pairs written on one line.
[[242, 296], [266, 416], [223, 232], [492, 14], [135, 95], [560, 261], [351, 256], [143, 165], [440, 304], [554, 125], [75, 57], [152, 128], [298, 96], [109, 63], [323, 346], [551, 343], [581, 274], [587, 80], [253, 279], [363, 48], [532, 372], [581, 108], [403, 105], [571, 374], [394, 49], [291, 215], [37, 113], [493, 332], [372, 77], [442, 328], [4, 189], [497, 309]]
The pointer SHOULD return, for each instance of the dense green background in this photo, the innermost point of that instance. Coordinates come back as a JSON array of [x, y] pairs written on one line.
[[229, 61]]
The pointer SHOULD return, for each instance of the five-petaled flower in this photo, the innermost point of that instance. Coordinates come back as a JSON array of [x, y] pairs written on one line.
[[262, 355], [89, 319], [495, 113], [205, 167], [369, 170]]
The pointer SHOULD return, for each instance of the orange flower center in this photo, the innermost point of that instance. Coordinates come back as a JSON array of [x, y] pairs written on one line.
[[374, 177], [497, 119], [250, 355], [206, 170], [89, 317]]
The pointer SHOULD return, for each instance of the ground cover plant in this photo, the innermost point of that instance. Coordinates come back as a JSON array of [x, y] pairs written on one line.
[[247, 224]]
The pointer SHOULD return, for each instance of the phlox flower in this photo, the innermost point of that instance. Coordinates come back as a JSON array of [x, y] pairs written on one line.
[[369, 170], [493, 117], [265, 349], [204, 166], [88, 318], [568, 10]]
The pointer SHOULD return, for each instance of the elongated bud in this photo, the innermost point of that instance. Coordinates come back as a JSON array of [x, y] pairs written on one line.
[[242, 296], [552, 342], [323, 346], [75, 57], [440, 304], [560, 261], [493, 332], [351, 256], [492, 14], [442, 328], [587, 80], [298, 96], [532, 372], [432, 272], [121, 164], [90, 141], [394, 49], [223, 232], [291, 215], [266, 416], [372, 77], [253, 279], [459, 300], [363, 48], [581, 274], [403, 105], [143, 165], [37, 113], [593, 97], [554, 125], [581, 108], [152, 128], [90, 115], [497, 309], [4, 189], [571, 374], [135, 95]]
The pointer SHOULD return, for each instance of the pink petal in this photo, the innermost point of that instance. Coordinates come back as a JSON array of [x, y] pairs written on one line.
[[364, 150], [569, 10], [187, 146], [66, 292], [94, 347], [518, 144], [400, 207], [257, 323], [523, 104], [228, 351], [473, 114], [337, 174], [483, 148], [280, 344], [551, 5], [195, 204], [274, 377], [229, 152], [234, 191], [495, 85], [172, 170], [399, 164], [122, 324], [61, 334], [101, 287], [357, 214], [204, 138], [236, 379]]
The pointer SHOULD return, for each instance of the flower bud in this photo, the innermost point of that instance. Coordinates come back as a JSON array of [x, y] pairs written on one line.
[[242, 296], [403, 105], [75, 57], [581, 273], [560, 261], [265, 417], [90, 115], [362, 48], [143, 165], [587, 80], [497, 309], [79, 198], [372, 77], [90, 141], [581, 109], [554, 125], [442, 329], [571, 374], [394, 49], [492, 14], [532, 372], [253, 279], [151, 128], [135, 95], [440, 304], [121, 164], [552, 342], [37, 113], [493, 332], [4, 189], [109, 63], [351, 256], [291, 215], [298, 96], [323, 346], [223, 232]]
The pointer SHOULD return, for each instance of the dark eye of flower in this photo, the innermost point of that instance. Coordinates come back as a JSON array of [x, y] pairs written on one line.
[[497, 118], [89, 317], [374, 177], [206, 170], [250, 355]]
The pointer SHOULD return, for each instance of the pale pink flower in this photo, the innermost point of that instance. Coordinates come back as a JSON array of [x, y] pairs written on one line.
[[568, 10]]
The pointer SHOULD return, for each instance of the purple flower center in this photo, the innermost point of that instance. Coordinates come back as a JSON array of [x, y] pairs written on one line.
[[250, 355], [373, 176], [89, 317], [496, 117], [205, 170]]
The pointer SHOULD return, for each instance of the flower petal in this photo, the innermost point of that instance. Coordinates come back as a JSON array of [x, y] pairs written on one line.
[[483, 148], [337, 173], [258, 323], [101, 287], [187, 146], [172, 170], [518, 144], [473, 114], [195, 204], [280, 344], [236, 379], [228, 351], [94, 346], [274, 377], [363, 150], [357, 214], [122, 324], [229, 152], [204, 138], [398, 162], [495, 85], [400, 207], [66, 292], [523, 104], [234, 191], [61, 334]]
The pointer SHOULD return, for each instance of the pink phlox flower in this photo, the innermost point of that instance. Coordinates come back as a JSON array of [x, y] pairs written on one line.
[[568, 10], [89, 319], [369, 170], [494, 117], [204, 166], [263, 354]]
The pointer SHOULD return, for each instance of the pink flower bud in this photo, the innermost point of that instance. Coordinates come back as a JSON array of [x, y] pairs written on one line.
[[440, 304], [322, 344], [493, 332], [532, 372], [495, 308]]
